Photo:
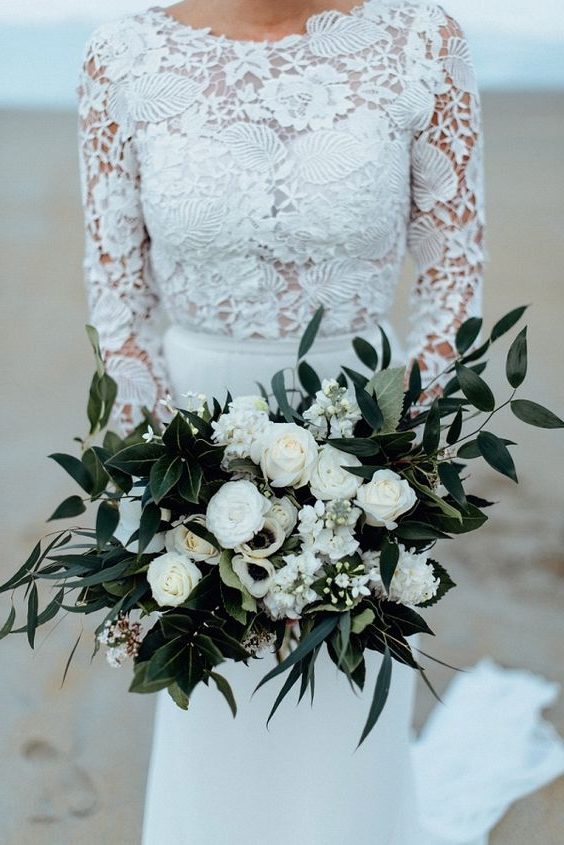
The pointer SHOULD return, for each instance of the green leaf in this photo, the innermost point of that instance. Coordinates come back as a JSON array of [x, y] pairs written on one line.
[[107, 389], [180, 699], [496, 453], [307, 644], [361, 446], [451, 480], [309, 379], [432, 430], [107, 520], [386, 349], [70, 658], [389, 559], [97, 471], [414, 530], [455, 429], [32, 608], [140, 684], [279, 391], [472, 519], [507, 322], [369, 408], [75, 469], [164, 475], [310, 333], [470, 450], [380, 696], [365, 352], [387, 386], [223, 686], [138, 458], [24, 570], [149, 525], [447, 509], [190, 483], [191, 673], [166, 660], [8, 624], [73, 506], [231, 579], [178, 435], [362, 620], [535, 414], [446, 583], [291, 681], [475, 388], [516, 365], [358, 379], [467, 334]]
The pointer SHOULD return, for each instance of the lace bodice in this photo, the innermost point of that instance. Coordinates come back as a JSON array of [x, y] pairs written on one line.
[[241, 184]]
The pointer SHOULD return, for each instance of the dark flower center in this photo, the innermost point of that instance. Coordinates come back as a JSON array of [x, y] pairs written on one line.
[[257, 573], [263, 539]]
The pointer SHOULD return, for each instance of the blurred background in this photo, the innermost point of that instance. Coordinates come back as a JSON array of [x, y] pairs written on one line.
[[75, 759]]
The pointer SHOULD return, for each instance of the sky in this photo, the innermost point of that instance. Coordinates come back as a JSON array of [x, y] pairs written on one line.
[[535, 18]]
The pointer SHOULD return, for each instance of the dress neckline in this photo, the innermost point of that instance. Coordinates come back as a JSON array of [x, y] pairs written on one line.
[[331, 16]]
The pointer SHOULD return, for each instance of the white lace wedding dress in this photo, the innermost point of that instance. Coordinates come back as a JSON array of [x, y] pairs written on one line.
[[230, 188]]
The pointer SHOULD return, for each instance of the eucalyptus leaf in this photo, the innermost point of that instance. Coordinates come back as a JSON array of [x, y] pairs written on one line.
[[386, 349], [475, 388], [32, 611], [365, 352], [310, 333], [165, 474], [369, 408], [467, 334], [73, 506], [451, 480], [380, 696], [534, 414], [389, 559], [507, 322], [309, 379], [496, 453], [279, 391], [225, 689], [107, 520], [76, 469], [432, 429], [516, 365]]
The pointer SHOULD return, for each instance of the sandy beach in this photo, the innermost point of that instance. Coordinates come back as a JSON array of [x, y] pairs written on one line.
[[75, 759]]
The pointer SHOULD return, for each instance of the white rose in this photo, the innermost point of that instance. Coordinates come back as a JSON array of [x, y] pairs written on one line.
[[285, 513], [172, 577], [286, 454], [265, 542], [236, 513], [129, 520], [256, 575], [328, 480], [182, 539], [385, 497]]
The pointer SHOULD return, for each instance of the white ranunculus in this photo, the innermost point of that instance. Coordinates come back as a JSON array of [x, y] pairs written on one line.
[[265, 542], [172, 577], [286, 454], [182, 539], [328, 480], [285, 513], [236, 513], [386, 497], [129, 520], [256, 575]]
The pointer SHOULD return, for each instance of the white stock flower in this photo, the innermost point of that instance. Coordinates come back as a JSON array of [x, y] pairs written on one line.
[[256, 575], [265, 542], [182, 539], [130, 511], [236, 513], [329, 480], [241, 425], [386, 497], [172, 577], [334, 412], [291, 589], [413, 581], [285, 513], [286, 454]]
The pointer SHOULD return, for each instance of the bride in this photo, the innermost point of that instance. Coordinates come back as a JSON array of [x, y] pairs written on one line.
[[244, 162]]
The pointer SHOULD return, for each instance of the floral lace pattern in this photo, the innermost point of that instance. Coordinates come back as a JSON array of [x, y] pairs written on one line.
[[241, 184]]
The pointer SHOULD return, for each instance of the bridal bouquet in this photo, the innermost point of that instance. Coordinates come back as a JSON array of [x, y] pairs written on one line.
[[298, 519]]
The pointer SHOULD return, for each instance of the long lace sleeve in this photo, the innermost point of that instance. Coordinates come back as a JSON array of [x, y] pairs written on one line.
[[121, 296], [446, 231]]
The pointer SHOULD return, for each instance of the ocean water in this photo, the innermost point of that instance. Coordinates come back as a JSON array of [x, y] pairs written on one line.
[[39, 64]]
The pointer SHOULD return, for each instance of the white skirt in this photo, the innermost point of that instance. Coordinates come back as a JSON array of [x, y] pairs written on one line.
[[214, 780]]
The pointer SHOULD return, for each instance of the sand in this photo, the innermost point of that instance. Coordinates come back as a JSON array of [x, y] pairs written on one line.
[[75, 760]]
